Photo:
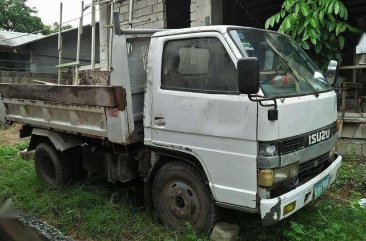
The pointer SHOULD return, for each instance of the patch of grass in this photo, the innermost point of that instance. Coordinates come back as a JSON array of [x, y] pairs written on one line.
[[351, 154], [97, 210], [93, 210]]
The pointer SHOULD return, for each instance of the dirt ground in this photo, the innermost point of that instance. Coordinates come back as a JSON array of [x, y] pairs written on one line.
[[9, 135]]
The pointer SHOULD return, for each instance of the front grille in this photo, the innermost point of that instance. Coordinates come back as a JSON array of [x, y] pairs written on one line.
[[313, 166], [292, 144]]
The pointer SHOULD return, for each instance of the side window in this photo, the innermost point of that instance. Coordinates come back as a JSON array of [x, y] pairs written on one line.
[[198, 65]]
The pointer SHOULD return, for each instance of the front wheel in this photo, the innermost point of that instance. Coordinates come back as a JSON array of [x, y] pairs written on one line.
[[180, 196]]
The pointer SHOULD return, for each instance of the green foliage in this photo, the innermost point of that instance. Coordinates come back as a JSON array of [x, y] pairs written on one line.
[[191, 235], [318, 25], [54, 28], [15, 15]]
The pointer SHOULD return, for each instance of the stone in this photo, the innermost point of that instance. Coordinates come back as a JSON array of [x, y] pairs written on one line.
[[5, 206], [21, 226], [25, 154], [362, 202], [225, 232]]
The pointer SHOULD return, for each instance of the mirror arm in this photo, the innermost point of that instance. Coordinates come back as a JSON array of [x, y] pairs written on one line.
[[260, 99], [273, 113]]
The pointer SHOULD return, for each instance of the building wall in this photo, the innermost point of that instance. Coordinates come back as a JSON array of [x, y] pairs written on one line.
[[152, 13], [206, 12], [148, 14], [27, 77]]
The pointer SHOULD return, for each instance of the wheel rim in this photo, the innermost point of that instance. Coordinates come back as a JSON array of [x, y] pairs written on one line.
[[182, 202], [48, 170]]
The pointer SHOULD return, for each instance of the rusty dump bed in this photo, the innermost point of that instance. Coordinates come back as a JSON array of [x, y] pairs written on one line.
[[94, 111], [106, 96]]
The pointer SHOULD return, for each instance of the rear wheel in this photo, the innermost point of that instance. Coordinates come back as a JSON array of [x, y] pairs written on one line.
[[57, 168], [180, 196]]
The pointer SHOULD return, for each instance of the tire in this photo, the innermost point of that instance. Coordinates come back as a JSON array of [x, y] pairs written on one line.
[[180, 196], [56, 168]]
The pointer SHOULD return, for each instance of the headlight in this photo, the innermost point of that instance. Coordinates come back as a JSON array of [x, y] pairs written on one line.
[[266, 178], [284, 173], [268, 149]]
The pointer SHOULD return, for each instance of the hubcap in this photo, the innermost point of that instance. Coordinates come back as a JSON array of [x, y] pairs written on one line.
[[182, 201]]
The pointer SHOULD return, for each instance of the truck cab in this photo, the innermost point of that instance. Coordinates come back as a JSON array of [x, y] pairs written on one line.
[[270, 151]]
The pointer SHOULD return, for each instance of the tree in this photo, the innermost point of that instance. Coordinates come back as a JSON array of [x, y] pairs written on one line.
[[16, 16], [54, 28], [318, 25]]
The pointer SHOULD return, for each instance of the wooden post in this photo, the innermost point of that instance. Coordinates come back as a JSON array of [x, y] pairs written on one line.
[[60, 46], [93, 36]]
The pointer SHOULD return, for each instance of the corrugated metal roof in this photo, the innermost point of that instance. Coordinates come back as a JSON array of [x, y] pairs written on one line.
[[24, 38], [14, 39]]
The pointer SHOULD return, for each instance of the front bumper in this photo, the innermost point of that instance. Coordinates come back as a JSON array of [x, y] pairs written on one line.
[[271, 210]]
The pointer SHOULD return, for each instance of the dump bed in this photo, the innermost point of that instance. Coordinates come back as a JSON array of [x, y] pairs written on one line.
[[111, 112], [76, 109]]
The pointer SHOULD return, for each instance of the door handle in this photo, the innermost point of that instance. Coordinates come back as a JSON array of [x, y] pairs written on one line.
[[159, 121]]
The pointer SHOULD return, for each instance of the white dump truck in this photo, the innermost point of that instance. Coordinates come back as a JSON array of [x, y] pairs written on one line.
[[226, 116]]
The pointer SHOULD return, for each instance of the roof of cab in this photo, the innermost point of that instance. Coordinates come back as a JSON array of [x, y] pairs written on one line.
[[217, 28]]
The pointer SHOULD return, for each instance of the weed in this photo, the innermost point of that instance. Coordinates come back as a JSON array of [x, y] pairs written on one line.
[[351, 154]]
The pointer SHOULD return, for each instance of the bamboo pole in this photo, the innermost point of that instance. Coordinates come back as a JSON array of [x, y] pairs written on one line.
[[60, 46], [104, 30], [93, 36], [80, 32], [110, 52], [130, 15]]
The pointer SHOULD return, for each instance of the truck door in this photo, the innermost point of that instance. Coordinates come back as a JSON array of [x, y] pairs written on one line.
[[196, 108]]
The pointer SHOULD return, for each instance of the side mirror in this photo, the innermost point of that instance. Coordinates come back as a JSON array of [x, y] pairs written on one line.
[[331, 73], [248, 75]]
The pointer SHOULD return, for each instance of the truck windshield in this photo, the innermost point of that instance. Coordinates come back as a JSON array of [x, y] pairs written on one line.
[[285, 69]]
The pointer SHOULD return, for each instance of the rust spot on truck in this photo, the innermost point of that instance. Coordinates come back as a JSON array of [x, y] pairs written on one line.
[[105, 96], [119, 95], [273, 215]]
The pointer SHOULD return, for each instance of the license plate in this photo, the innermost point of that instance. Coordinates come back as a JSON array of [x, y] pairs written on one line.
[[321, 186]]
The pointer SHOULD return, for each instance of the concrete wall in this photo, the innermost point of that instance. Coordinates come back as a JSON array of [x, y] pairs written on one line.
[[152, 13], [27, 77], [206, 12], [146, 13], [352, 141]]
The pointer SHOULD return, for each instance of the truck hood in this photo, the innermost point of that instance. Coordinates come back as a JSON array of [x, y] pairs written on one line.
[[298, 115]]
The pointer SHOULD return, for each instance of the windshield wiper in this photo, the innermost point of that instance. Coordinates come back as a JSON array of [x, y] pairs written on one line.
[[311, 87], [296, 75]]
